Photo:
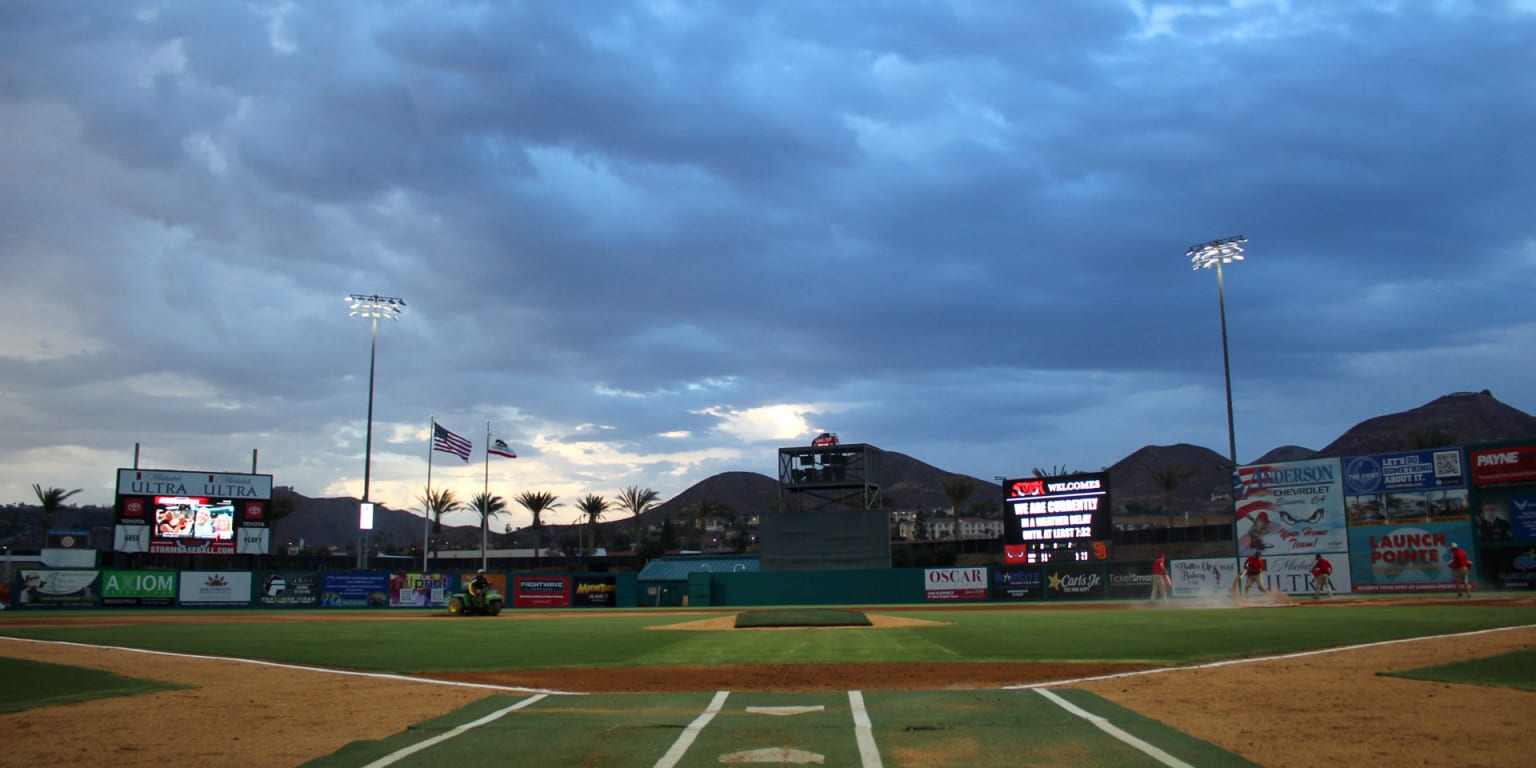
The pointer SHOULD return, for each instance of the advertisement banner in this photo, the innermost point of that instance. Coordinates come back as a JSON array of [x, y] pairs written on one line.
[[1506, 517], [1074, 582], [541, 592], [955, 583], [354, 590], [1404, 471], [57, 589], [288, 589], [1508, 567], [419, 590], [1129, 581], [1292, 574], [252, 541], [1203, 577], [138, 588], [596, 592], [207, 589], [1404, 558], [1294, 507], [1018, 583], [1503, 465]]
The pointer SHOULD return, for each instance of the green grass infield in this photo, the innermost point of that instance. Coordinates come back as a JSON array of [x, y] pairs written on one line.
[[1506, 670], [31, 684], [551, 640], [802, 617]]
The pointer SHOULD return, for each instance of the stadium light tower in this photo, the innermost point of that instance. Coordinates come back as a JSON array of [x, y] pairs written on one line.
[[372, 307], [1214, 254]]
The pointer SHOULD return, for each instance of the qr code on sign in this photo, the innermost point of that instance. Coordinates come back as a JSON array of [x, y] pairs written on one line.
[[1447, 463]]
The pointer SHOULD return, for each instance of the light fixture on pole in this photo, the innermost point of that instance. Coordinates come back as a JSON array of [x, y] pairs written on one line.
[[372, 307], [1214, 254]]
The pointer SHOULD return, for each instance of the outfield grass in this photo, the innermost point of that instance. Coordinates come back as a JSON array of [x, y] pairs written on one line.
[[529, 640], [1506, 670], [31, 684]]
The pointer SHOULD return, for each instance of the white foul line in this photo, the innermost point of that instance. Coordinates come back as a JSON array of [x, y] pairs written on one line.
[[301, 667], [684, 741], [1111, 729], [863, 731], [396, 757]]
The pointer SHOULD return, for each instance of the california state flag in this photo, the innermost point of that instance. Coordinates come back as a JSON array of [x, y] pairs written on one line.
[[499, 447]]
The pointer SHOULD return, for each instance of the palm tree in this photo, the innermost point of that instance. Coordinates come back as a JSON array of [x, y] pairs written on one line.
[[1054, 471], [436, 504], [638, 501], [1169, 479], [958, 488], [488, 505], [536, 502], [593, 506], [52, 500]]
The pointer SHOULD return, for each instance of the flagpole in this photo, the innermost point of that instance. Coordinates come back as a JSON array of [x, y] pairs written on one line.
[[426, 512], [485, 497]]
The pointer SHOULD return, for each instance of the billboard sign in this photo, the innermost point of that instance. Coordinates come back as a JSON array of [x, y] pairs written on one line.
[[1018, 583], [340, 589], [419, 590], [1057, 519], [595, 592], [57, 589], [179, 512], [1509, 567], [138, 588], [1404, 558], [288, 588], [1504, 465], [1294, 507], [205, 589], [541, 591], [955, 583], [1203, 577], [1074, 582]]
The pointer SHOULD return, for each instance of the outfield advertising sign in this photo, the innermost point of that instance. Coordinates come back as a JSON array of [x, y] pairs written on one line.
[[1288, 508], [1506, 517], [354, 590], [288, 588], [1018, 583], [1074, 582], [57, 589], [207, 589], [1293, 573], [1405, 558], [138, 588], [541, 591], [419, 590], [1129, 580], [595, 592], [1203, 577], [944, 584], [1509, 567]]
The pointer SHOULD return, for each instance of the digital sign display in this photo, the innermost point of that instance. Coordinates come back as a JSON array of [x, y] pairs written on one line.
[[168, 511], [1057, 519]]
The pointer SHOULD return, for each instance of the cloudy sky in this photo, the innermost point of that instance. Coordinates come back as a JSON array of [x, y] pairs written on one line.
[[650, 242]]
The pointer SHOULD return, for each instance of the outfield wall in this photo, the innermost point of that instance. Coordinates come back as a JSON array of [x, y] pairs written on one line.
[[1114, 580]]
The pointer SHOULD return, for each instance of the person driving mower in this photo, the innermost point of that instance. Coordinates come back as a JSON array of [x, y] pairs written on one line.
[[476, 587]]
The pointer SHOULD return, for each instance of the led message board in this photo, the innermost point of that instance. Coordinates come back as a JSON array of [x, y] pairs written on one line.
[[1057, 519]]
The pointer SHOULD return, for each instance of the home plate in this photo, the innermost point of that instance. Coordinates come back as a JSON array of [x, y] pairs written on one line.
[[781, 711], [779, 755]]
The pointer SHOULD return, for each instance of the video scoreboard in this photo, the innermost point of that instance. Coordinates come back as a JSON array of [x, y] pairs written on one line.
[[1058, 519]]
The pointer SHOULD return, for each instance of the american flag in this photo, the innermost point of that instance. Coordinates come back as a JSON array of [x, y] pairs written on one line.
[[448, 442], [499, 447]]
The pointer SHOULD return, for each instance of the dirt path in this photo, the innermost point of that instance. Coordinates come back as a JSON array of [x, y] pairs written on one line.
[[1325, 709]]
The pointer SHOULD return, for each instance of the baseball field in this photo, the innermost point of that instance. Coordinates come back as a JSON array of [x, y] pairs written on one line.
[[1422, 681]]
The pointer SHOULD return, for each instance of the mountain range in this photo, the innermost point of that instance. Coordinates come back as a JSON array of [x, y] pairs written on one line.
[[1139, 483]]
